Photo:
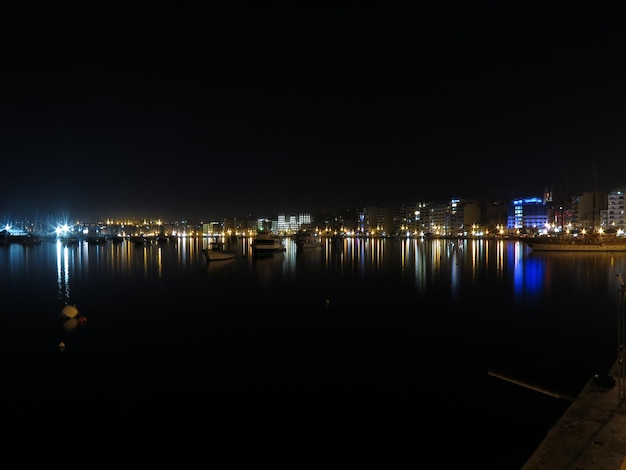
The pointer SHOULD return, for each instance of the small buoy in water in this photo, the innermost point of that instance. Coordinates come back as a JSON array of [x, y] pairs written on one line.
[[70, 311], [82, 320], [327, 302], [61, 345]]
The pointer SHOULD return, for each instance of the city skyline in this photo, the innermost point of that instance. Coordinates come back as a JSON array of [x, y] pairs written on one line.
[[553, 201], [212, 111]]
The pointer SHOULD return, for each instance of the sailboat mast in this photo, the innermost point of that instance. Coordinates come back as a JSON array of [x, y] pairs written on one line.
[[563, 208], [593, 226]]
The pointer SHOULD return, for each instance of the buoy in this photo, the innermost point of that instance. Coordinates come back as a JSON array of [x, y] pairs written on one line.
[[61, 345], [327, 302], [82, 320], [70, 311]]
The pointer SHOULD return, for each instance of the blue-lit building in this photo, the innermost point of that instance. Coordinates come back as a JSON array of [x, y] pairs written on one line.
[[528, 215]]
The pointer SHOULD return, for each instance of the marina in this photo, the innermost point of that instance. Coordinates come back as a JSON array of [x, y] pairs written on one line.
[[428, 272]]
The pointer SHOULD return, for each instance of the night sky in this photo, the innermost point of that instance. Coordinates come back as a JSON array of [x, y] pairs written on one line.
[[226, 110]]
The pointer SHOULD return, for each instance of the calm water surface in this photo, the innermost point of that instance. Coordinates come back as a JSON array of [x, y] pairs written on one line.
[[369, 349]]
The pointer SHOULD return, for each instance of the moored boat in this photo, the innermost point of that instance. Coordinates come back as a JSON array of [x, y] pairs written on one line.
[[30, 240], [307, 239], [7, 237], [217, 252], [585, 243], [266, 243]]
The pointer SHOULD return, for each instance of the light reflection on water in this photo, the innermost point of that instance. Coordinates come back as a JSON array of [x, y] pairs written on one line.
[[381, 314], [63, 275], [455, 263], [497, 282]]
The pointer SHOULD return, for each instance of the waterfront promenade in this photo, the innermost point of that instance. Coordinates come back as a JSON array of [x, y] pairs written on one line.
[[590, 435]]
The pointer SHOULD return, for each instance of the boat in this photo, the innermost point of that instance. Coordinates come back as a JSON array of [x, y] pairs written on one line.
[[6, 237], [266, 244], [306, 240], [30, 240], [139, 240], [217, 252], [70, 241], [593, 241], [585, 243]]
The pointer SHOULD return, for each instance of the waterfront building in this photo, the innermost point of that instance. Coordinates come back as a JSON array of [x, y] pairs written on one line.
[[494, 216], [381, 220], [615, 212], [527, 216], [590, 207], [464, 216], [438, 219], [410, 219]]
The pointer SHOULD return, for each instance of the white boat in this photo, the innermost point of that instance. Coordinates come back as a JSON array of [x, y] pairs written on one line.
[[305, 240], [587, 243], [217, 252], [266, 243]]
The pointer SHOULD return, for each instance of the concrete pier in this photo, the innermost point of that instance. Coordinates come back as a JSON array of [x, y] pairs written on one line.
[[592, 432]]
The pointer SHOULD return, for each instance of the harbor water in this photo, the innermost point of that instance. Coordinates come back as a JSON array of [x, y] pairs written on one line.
[[363, 349]]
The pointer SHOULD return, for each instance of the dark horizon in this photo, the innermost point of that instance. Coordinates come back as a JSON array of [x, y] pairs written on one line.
[[60, 216], [208, 111]]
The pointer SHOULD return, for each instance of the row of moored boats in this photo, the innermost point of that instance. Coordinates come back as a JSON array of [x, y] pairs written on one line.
[[264, 244]]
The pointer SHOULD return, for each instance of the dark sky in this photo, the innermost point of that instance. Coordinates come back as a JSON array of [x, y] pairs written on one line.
[[203, 112]]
